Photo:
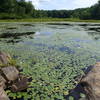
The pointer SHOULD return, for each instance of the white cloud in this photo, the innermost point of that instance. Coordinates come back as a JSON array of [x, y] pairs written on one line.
[[84, 3], [37, 3], [62, 4]]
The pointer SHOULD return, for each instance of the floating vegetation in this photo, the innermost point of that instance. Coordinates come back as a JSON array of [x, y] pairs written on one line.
[[53, 61], [94, 35], [97, 29], [83, 24], [15, 35], [11, 28], [69, 24], [67, 49], [93, 24], [87, 24], [27, 24]]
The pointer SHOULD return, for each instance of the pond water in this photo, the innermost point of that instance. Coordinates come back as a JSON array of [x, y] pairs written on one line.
[[52, 53]]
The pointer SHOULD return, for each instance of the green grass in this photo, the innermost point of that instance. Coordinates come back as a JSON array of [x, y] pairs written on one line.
[[48, 20]]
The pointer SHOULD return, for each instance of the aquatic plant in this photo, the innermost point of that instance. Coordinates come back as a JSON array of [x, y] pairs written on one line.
[[53, 61]]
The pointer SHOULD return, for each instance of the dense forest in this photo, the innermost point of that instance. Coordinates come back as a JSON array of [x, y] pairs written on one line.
[[16, 9], [11, 9]]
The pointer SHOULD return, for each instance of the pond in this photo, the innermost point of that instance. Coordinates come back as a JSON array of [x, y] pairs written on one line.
[[52, 53]]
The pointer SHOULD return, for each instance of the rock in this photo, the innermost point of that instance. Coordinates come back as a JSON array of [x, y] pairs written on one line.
[[20, 84], [10, 73], [88, 85], [91, 83], [4, 58], [10, 77], [2, 82], [3, 95], [75, 93]]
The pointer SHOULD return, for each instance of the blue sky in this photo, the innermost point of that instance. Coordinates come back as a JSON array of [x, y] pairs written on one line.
[[62, 4]]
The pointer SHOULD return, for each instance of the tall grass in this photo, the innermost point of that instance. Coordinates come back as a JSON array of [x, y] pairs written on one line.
[[48, 20]]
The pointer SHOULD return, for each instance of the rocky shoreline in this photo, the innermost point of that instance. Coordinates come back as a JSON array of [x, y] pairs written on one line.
[[10, 77]]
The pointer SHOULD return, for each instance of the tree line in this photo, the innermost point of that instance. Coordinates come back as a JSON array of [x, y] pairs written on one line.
[[14, 9], [92, 12]]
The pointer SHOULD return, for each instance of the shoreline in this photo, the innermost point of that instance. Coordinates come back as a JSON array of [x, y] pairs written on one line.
[[49, 20]]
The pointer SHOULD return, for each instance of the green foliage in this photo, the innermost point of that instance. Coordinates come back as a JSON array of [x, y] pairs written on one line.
[[95, 11], [18, 95], [15, 9], [9, 16], [92, 12], [82, 95], [71, 98], [18, 9], [49, 20], [10, 62], [51, 14]]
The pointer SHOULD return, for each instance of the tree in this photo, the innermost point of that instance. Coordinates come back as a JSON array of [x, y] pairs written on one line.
[[95, 11], [22, 9], [7, 6], [29, 8]]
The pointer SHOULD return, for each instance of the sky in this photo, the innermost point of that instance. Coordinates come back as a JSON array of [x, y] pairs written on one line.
[[62, 4]]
